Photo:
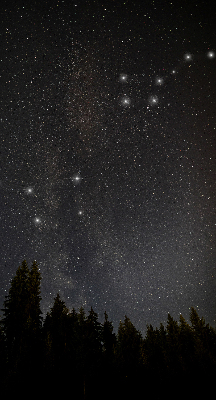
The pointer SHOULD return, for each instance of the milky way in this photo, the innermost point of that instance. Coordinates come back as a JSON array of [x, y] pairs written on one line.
[[108, 155]]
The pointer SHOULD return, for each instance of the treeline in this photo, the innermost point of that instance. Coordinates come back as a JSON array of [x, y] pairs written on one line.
[[71, 353]]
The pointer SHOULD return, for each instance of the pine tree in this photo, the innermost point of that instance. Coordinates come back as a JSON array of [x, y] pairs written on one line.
[[173, 346], [187, 343], [92, 344], [22, 322], [59, 309], [34, 311], [81, 317], [3, 357], [197, 323], [94, 331], [16, 309], [54, 331], [205, 344], [108, 378], [128, 346], [108, 339], [154, 351], [72, 339], [128, 359]]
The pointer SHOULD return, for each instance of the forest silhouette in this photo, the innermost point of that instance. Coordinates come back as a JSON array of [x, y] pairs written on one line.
[[73, 354]]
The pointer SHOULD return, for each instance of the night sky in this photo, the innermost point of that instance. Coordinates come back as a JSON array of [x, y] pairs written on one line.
[[108, 134]]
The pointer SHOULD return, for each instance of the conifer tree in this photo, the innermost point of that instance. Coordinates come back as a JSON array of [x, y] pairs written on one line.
[[205, 343], [93, 341], [81, 317], [109, 343], [128, 346], [3, 355], [15, 308], [128, 359], [94, 329], [186, 343], [34, 311], [154, 351], [72, 339], [197, 323], [22, 317], [55, 333], [173, 345], [108, 338]]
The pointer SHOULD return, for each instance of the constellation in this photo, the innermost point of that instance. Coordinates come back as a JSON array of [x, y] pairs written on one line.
[[154, 99]]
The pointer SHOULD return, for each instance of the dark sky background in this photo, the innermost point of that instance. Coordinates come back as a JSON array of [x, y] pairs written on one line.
[[108, 133]]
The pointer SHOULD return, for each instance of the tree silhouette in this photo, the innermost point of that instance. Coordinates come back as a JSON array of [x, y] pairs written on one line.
[[74, 350], [22, 321], [34, 311], [55, 327], [16, 309], [173, 346], [108, 340], [128, 355], [205, 345]]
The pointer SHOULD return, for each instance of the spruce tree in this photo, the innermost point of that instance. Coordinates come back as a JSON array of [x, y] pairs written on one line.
[[154, 351], [3, 356], [22, 319], [108, 339], [129, 342], [187, 345], [16, 309], [34, 311], [173, 346], [108, 377], [128, 359], [198, 323], [205, 344], [55, 333]]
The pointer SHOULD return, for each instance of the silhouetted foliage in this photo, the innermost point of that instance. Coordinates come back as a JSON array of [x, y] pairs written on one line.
[[74, 351], [55, 333], [108, 340], [22, 323]]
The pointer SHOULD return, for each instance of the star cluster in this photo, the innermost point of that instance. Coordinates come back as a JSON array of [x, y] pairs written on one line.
[[108, 155]]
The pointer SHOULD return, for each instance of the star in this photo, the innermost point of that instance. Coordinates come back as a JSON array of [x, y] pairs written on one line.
[[37, 220], [188, 57], [125, 101], [153, 100], [76, 179], [123, 78], [28, 190], [159, 81], [210, 54]]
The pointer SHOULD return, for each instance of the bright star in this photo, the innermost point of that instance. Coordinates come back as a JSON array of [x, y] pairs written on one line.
[[125, 101], [159, 81], [210, 54], [153, 100], [37, 220], [188, 57], [76, 179], [28, 190], [123, 78]]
